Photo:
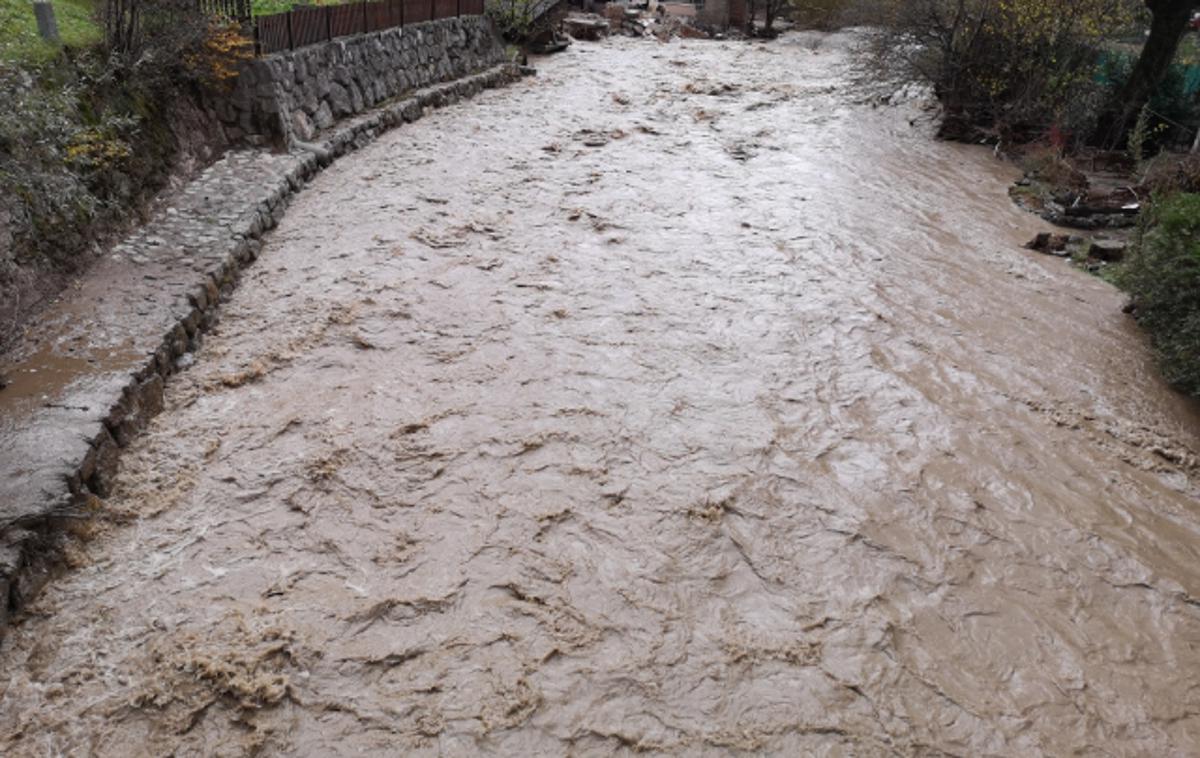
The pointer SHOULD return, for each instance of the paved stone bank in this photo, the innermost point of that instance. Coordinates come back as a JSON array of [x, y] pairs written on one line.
[[87, 378], [292, 96]]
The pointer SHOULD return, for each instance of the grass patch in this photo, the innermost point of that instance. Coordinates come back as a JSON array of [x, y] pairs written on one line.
[[19, 40], [267, 7]]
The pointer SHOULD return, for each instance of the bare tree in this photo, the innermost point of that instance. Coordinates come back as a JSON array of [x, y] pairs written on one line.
[[1169, 24], [772, 9], [122, 24]]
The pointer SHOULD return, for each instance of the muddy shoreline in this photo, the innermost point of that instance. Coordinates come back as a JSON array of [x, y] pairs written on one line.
[[671, 401]]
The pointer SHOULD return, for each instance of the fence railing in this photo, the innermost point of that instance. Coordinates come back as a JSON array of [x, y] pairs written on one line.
[[235, 9], [310, 24]]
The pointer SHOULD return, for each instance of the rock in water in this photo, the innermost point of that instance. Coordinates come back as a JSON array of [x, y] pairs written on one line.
[[1050, 244]]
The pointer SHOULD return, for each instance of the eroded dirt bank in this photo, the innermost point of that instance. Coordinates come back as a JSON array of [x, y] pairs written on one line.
[[667, 401]]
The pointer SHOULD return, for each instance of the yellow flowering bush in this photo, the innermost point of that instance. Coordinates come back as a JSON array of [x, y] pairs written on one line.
[[215, 61], [94, 149]]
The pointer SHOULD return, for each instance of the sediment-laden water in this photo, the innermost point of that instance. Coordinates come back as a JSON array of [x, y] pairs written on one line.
[[676, 400]]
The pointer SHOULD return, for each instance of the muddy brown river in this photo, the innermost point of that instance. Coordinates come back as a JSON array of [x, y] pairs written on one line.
[[677, 400]]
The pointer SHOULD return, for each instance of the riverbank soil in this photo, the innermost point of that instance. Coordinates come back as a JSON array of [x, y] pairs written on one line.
[[669, 401]]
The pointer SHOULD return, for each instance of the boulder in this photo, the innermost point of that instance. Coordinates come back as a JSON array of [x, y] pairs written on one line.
[[339, 100], [302, 127], [323, 118], [586, 27], [1050, 244], [1109, 251]]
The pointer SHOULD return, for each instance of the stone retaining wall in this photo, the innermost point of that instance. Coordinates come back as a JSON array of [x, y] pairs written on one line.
[[149, 303], [289, 97]]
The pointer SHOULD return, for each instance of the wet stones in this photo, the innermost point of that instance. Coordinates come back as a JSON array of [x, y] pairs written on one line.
[[323, 117], [140, 402], [586, 27], [339, 101], [1050, 244], [1092, 254], [1109, 251]]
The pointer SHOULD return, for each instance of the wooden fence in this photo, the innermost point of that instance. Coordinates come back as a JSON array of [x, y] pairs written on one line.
[[310, 24]]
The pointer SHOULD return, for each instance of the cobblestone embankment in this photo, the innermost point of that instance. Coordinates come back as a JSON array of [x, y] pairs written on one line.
[[85, 379]]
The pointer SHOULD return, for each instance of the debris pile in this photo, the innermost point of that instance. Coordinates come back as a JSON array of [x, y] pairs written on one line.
[[587, 26], [1098, 190], [660, 20]]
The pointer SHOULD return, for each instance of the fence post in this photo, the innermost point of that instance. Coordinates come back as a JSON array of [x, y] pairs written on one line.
[[47, 24], [433, 10], [328, 22], [458, 8], [291, 40], [364, 18]]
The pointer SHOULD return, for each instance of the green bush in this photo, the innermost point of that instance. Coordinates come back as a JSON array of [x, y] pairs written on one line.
[[1163, 276], [514, 18], [80, 142]]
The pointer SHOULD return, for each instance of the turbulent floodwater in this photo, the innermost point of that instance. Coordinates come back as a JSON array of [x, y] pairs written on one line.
[[674, 400]]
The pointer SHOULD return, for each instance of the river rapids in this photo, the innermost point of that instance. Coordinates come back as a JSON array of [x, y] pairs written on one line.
[[683, 399]]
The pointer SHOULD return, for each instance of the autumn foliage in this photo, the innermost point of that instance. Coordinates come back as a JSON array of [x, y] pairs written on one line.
[[214, 61]]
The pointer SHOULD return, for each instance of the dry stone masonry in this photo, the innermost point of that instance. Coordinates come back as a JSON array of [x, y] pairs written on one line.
[[292, 96]]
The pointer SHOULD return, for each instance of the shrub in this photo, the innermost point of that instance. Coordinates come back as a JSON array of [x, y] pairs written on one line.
[[86, 136], [1173, 111], [214, 62], [46, 148], [1176, 111], [1014, 67], [1047, 164], [513, 18], [1163, 277], [1174, 172], [826, 15]]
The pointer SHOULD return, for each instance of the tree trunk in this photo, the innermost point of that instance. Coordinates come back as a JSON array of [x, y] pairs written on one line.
[[1170, 22]]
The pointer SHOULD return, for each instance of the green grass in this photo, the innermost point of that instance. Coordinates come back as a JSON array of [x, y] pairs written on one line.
[[267, 7], [19, 40]]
